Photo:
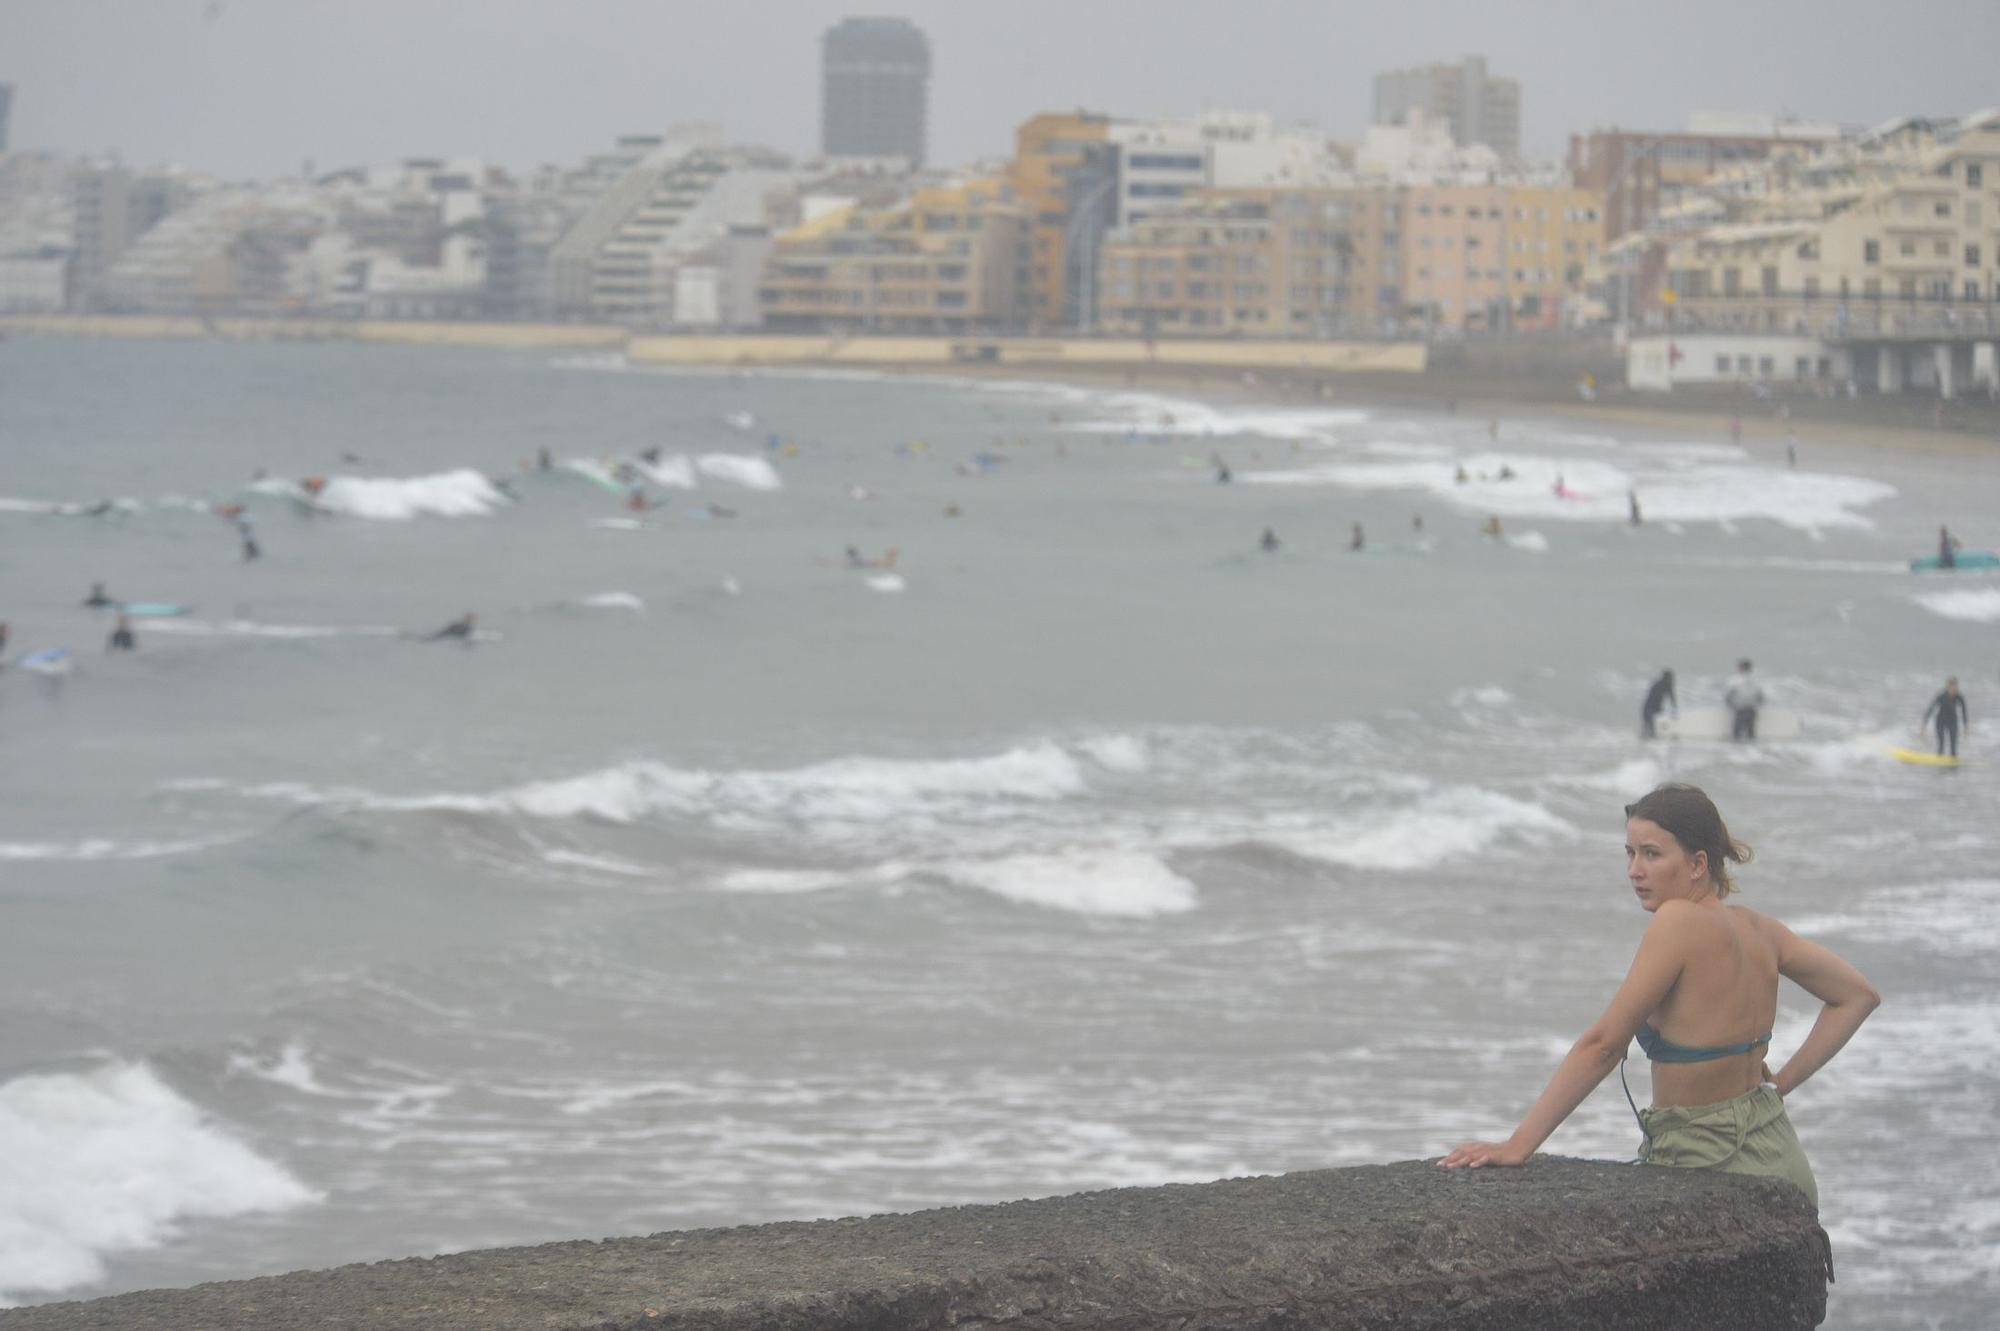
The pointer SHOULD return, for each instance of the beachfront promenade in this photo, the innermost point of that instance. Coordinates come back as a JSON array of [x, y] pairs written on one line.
[[1561, 1243]]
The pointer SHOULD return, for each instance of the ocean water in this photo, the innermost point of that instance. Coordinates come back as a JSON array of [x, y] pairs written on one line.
[[1082, 844]]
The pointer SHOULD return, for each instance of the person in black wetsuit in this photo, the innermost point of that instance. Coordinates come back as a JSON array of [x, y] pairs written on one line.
[[1269, 540], [1949, 706], [1660, 696], [458, 628], [121, 639], [1947, 548], [97, 600]]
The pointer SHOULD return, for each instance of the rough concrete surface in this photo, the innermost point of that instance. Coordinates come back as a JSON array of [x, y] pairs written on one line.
[[1561, 1243]]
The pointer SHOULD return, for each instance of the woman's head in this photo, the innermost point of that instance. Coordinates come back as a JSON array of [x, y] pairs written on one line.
[[1689, 818]]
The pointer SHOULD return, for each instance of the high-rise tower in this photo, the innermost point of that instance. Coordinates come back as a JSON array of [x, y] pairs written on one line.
[[875, 82]]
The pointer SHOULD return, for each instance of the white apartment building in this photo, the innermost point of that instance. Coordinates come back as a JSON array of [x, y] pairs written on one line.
[[1160, 163]]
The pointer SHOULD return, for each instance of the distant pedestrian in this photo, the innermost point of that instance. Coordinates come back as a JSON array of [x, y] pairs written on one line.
[[1493, 427], [3, 642], [1735, 429], [1416, 522], [250, 550], [1632, 502], [1743, 696], [1949, 707], [1792, 449]]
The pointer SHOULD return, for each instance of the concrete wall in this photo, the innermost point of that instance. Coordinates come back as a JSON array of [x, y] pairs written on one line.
[[1561, 1243], [1111, 352]]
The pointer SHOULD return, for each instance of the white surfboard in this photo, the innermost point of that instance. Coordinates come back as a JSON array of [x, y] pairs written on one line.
[[1715, 723]]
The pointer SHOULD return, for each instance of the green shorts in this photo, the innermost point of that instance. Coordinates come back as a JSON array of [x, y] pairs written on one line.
[[1747, 1135]]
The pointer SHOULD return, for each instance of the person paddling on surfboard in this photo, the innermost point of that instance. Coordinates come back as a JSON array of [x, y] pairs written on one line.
[[1949, 706], [460, 628]]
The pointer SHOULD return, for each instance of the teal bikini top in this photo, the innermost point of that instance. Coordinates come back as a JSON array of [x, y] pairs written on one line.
[[1662, 1050]]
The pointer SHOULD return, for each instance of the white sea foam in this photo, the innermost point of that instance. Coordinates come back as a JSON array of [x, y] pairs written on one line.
[[103, 848], [1980, 605], [40, 506], [617, 524], [886, 582], [1634, 778], [1531, 541], [1957, 917], [111, 1161], [1596, 489], [1118, 753], [1441, 825], [615, 601], [1484, 695], [676, 472], [247, 628], [451, 494], [1089, 882], [1121, 413], [752, 473], [860, 792], [741, 420], [292, 1067]]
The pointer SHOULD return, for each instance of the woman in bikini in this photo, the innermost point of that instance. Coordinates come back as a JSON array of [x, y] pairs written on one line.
[[1700, 998]]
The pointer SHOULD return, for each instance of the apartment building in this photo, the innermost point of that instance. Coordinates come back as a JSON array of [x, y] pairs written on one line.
[[1641, 174], [944, 260], [1481, 108], [617, 261], [1481, 258], [1263, 262], [1901, 237]]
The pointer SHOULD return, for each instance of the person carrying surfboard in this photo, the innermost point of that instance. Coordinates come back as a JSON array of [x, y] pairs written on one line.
[[1660, 696], [1701, 998], [1743, 696], [1949, 706]]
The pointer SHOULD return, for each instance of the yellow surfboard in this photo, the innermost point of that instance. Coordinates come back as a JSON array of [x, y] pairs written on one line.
[[1923, 759]]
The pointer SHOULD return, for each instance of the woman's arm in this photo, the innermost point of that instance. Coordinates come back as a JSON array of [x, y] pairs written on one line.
[[1827, 976], [1658, 965]]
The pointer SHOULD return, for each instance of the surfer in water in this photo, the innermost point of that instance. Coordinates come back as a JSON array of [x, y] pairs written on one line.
[[1660, 696], [97, 600], [1222, 473], [1269, 541], [121, 639], [1949, 707], [1632, 503], [1356, 542], [460, 628], [1492, 528], [1947, 548]]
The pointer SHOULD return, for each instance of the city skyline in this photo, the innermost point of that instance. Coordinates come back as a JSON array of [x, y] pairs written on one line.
[[285, 82]]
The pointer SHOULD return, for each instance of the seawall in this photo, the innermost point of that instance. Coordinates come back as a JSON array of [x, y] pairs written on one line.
[[760, 349], [1561, 1243]]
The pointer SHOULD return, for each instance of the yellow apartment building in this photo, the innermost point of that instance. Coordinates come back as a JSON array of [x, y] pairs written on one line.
[[1048, 150], [944, 260]]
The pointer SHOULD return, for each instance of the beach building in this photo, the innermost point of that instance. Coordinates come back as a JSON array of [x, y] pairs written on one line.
[[874, 90], [1479, 107], [240, 249], [946, 259]]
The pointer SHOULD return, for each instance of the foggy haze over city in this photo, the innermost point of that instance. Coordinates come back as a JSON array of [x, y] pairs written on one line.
[[250, 88]]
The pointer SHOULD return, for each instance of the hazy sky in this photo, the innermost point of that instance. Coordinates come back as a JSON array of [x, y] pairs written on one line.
[[255, 87]]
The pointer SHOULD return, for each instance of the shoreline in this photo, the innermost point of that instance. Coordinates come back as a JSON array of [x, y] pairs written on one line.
[[1397, 376]]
